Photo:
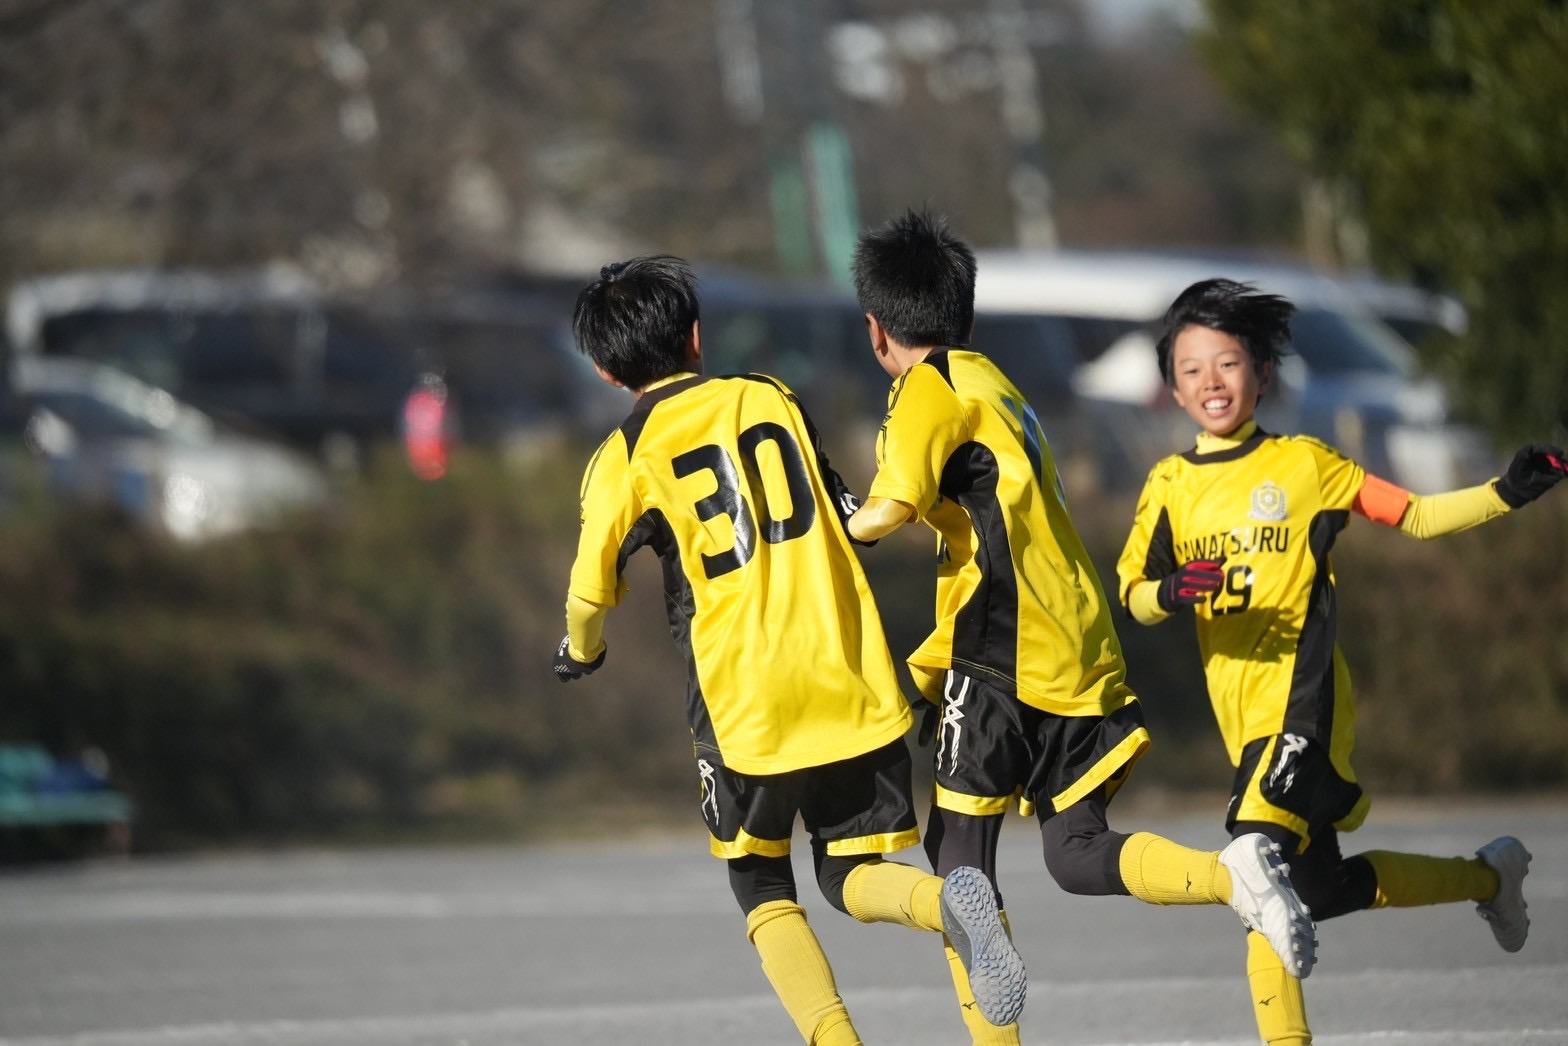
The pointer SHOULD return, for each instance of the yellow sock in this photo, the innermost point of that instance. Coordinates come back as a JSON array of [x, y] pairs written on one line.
[[1413, 880], [981, 1031], [795, 965], [1159, 871], [890, 892], [1276, 996]]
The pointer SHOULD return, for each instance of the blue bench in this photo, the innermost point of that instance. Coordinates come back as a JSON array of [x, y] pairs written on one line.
[[41, 794]]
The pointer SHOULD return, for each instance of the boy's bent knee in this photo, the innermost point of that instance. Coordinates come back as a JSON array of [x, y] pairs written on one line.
[[1082, 854], [1348, 886]]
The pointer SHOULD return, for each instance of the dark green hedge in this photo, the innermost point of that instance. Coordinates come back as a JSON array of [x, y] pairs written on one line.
[[385, 672]]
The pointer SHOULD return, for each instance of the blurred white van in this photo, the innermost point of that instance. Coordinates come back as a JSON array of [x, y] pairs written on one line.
[[1350, 379]]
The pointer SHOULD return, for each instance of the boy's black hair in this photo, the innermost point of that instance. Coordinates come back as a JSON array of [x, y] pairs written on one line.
[[1261, 322], [635, 319], [918, 280]]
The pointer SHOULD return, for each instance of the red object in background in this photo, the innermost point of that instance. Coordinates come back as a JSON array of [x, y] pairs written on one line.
[[427, 428]]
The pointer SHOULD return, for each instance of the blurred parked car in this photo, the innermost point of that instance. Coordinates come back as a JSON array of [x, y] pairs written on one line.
[[262, 347], [1417, 315], [331, 375], [111, 440], [1350, 379]]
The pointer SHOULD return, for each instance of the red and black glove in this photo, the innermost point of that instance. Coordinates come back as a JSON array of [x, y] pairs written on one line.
[[1192, 583], [568, 668], [1534, 470]]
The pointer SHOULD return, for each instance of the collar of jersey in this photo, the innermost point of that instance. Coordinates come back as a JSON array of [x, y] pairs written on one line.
[[1211, 444], [669, 380]]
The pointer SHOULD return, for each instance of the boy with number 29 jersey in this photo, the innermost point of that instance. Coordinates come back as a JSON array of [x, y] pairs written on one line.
[[1269, 517], [675, 478], [1238, 531]]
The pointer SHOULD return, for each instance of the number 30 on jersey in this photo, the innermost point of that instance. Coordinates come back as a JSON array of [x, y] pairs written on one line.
[[730, 499]]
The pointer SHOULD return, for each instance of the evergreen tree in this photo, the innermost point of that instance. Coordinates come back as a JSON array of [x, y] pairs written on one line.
[[1443, 124]]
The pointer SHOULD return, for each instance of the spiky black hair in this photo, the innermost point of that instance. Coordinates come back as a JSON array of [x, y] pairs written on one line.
[[918, 280], [1260, 321]]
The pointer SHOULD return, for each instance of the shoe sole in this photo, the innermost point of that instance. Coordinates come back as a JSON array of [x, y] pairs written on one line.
[[975, 930]]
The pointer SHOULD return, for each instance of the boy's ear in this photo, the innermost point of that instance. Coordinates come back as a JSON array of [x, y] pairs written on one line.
[[694, 346], [877, 335], [1265, 378], [606, 377]]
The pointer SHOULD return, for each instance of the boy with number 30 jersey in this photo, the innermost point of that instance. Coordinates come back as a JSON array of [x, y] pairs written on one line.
[[794, 708], [1237, 531], [726, 469]]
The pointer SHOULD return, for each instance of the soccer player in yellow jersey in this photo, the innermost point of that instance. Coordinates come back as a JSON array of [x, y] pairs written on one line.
[[723, 477], [1237, 532], [1024, 664]]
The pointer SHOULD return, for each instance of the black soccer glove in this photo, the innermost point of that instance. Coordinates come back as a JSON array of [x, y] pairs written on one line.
[[568, 668], [1191, 584], [1534, 470]]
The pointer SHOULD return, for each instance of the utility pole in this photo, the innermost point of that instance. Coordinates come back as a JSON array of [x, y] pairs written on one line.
[[810, 171], [1023, 117]]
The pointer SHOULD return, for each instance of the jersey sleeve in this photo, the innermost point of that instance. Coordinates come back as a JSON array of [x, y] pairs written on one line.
[[1150, 551], [924, 425], [1339, 479], [1437, 515], [610, 507], [584, 628]]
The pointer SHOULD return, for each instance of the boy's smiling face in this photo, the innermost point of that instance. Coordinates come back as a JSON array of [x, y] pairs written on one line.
[[1215, 380]]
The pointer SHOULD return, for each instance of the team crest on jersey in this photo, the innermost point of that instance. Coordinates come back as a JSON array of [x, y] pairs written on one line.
[[1268, 502]]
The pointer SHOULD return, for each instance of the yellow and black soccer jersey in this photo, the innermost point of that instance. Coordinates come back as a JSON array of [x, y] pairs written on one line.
[[787, 663], [1270, 507], [1017, 598]]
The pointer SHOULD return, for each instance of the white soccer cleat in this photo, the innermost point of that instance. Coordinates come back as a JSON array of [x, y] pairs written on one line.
[[1261, 893], [974, 928], [1505, 912]]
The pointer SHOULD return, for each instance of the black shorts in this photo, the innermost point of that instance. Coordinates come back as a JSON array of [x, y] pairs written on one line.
[[1290, 781], [992, 748], [862, 805]]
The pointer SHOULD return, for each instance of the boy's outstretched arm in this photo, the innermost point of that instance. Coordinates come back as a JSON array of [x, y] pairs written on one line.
[[1534, 470], [878, 518], [583, 649]]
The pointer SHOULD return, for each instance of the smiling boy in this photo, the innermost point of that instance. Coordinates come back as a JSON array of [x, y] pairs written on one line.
[[1237, 532]]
